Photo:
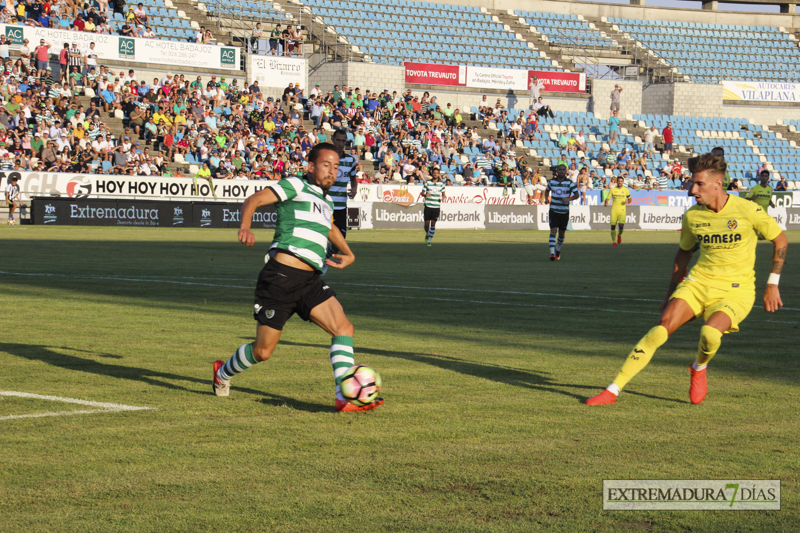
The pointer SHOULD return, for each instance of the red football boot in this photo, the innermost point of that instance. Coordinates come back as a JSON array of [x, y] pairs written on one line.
[[699, 386], [604, 398]]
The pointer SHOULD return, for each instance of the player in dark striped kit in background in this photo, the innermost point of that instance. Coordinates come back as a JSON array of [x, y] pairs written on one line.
[[560, 192], [338, 192], [434, 194]]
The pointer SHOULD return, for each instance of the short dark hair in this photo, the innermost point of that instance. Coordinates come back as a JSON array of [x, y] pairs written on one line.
[[708, 161], [720, 148], [313, 155], [340, 131]]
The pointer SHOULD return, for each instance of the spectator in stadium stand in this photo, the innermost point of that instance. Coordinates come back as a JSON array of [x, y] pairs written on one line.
[[380, 176], [734, 186], [490, 146], [580, 141], [75, 57], [613, 128], [677, 170], [666, 133], [531, 126], [542, 109], [563, 140], [63, 63], [623, 159], [126, 30], [275, 41], [42, 55], [140, 15], [782, 185], [4, 50], [616, 95], [649, 140], [536, 86], [599, 182], [256, 34], [297, 40], [572, 172]]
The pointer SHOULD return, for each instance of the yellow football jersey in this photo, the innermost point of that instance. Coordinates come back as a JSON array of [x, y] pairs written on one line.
[[762, 195], [727, 241], [619, 196]]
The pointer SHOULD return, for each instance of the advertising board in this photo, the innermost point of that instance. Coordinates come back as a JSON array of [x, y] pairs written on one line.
[[129, 49]]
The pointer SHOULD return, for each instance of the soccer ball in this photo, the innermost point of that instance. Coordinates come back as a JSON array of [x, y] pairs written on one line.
[[360, 385]]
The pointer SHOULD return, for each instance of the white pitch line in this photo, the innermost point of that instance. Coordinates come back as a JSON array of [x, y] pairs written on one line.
[[103, 406], [59, 413], [404, 287]]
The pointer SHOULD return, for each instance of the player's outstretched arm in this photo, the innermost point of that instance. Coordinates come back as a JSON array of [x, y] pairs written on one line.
[[345, 255], [679, 266], [263, 197], [772, 296]]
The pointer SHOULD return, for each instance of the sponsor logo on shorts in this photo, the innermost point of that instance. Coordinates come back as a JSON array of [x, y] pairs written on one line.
[[257, 308], [732, 224]]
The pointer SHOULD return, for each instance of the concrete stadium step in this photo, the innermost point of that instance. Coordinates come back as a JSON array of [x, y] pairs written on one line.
[[621, 37], [551, 54]]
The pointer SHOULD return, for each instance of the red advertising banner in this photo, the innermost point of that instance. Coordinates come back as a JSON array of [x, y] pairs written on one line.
[[560, 82], [430, 74]]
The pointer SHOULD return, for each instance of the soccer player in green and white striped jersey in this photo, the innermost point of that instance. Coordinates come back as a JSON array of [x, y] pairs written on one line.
[[338, 191], [291, 280], [560, 191], [434, 194]]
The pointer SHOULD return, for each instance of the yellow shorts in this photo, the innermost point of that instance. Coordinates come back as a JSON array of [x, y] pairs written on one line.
[[617, 216], [705, 301]]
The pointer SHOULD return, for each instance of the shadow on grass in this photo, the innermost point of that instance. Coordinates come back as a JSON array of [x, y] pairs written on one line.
[[497, 373], [49, 355]]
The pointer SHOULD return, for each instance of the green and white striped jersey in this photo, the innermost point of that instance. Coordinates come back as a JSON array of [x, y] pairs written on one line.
[[338, 191], [433, 193], [561, 189], [304, 220]]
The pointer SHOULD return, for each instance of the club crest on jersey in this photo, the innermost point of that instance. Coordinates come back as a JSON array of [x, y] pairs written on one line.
[[732, 224]]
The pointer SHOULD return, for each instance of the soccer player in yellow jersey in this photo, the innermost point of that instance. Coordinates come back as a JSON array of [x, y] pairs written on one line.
[[762, 194], [720, 287], [620, 197]]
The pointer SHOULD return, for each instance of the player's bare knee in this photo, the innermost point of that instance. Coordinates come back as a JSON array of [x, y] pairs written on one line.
[[262, 353], [344, 329]]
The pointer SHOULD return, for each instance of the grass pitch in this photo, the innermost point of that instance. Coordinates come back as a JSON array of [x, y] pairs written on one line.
[[487, 351]]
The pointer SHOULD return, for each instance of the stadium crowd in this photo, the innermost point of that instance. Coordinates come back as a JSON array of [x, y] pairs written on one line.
[[230, 130]]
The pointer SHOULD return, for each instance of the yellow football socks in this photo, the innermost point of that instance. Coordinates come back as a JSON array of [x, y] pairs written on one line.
[[710, 340], [641, 355]]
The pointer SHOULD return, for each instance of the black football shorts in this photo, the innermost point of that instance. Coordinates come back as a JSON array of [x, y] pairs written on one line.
[[282, 291]]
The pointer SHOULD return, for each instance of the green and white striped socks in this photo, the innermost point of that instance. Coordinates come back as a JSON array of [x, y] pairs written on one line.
[[341, 359], [241, 360]]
